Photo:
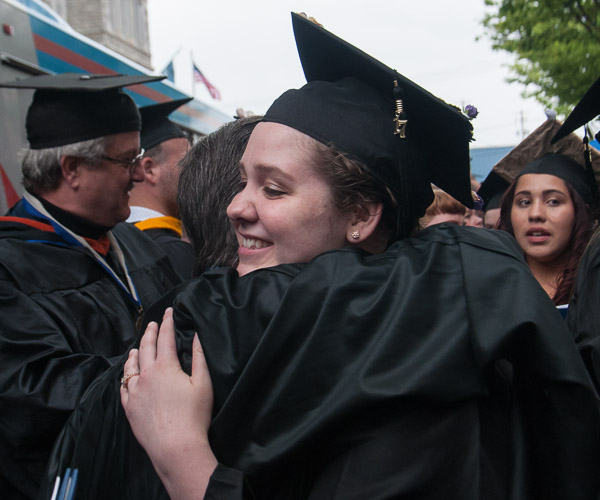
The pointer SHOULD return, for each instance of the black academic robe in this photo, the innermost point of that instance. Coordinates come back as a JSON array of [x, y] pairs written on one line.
[[439, 369], [64, 321], [583, 317], [180, 252]]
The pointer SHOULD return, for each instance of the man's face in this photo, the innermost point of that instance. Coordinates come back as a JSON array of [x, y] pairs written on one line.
[[103, 191], [172, 152]]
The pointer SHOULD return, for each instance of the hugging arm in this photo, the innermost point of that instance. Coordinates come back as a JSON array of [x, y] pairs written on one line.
[[169, 411]]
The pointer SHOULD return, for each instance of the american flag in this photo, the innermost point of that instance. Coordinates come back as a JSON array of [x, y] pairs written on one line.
[[199, 77]]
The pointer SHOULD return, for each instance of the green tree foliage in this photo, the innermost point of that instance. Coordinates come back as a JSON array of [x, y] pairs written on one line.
[[556, 44]]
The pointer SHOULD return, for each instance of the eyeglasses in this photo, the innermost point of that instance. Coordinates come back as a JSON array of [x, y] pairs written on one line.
[[127, 163]]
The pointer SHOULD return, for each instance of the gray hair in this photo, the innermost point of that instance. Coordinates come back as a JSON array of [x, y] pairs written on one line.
[[41, 167], [209, 180], [155, 152]]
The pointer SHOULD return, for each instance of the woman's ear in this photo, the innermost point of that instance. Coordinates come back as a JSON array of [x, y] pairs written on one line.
[[364, 222]]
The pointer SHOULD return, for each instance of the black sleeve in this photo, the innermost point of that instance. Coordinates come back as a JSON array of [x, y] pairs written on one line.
[[225, 484], [583, 318]]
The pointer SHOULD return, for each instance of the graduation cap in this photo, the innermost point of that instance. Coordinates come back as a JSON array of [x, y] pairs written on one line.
[[375, 115], [566, 168], [156, 126], [584, 112], [72, 107], [492, 190], [538, 154]]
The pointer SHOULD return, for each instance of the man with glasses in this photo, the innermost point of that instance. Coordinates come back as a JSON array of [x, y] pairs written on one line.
[[153, 202], [73, 280]]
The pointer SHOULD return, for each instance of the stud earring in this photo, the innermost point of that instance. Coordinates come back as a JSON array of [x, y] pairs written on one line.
[[355, 234]]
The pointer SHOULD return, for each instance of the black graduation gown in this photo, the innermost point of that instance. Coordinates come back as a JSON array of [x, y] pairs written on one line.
[[439, 369], [583, 317], [64, 321], [179, 252]]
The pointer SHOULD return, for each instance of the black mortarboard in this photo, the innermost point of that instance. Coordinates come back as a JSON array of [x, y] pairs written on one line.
[[568, 153], [585, 111], [156, 126], [564, 167], [350, 102], [492, 190], [70, 107]]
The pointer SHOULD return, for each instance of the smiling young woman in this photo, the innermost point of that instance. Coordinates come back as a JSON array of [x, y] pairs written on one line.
[[344, 358], [544, 209], [285, 211], [288, 210]]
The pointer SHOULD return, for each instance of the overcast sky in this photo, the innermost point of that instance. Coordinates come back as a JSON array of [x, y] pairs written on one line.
[[246, 49]]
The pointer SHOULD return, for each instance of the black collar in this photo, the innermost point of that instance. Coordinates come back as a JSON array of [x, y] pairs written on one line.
[[79, 225]]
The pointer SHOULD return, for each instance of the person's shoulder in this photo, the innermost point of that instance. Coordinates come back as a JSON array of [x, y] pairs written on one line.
[[23, 243], [591, 256], [135, 239], [437, 247], [161, 234], [23, 228], [142, 253], [225, 284], [485, 240], [228, 277], [128, 230]]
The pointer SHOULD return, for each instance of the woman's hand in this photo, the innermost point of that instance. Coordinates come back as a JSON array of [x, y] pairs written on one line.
[[169, 411]]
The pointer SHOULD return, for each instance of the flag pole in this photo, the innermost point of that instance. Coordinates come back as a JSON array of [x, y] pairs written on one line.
[[193, 77], [170, 61], [172, 58]]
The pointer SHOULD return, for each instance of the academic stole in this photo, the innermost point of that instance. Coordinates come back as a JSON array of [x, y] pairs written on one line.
[[35, 208]]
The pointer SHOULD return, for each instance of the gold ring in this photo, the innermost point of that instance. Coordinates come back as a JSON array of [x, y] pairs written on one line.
[[127, 377]]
